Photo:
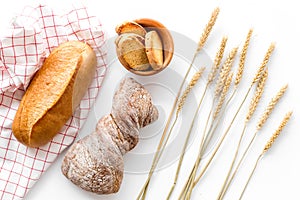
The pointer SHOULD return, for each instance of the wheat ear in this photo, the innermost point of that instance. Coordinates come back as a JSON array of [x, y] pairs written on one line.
[[277, 132], [271, 107], [188, 89], [225, 71], [208, 28], [267, 148], [240, 71], [223, 95], [217, 61], [264, 63], [258, 94]]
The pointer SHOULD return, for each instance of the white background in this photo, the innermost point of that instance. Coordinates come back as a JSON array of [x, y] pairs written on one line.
[[277, 176]]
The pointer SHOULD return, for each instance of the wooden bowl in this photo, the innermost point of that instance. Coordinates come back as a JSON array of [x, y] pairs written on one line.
[[167, 42]]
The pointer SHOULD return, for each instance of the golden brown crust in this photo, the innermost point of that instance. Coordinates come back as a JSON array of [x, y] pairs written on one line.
[[54, 92], [130, 27]]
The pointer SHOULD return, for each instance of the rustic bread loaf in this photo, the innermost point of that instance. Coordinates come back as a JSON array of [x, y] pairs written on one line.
[[54, 93], [95, 163]]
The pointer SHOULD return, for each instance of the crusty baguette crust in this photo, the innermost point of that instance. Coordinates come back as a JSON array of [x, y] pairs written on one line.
[[154, 50], [54, 93], [130, 27]]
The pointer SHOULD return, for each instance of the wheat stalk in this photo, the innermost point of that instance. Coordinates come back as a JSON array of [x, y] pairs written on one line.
[[240, 71], [186, 142], [182, 100], [225, 71], [216, 114], [267, 147], [236, 83], [208, 28], [202, 41], [271, 106], [197, 179], [205, 140], [252, 107], [264, 63], [207, 136], [221, 193], [258, 94], [217, 61], [211, 77], [258, 74], [261, 122]]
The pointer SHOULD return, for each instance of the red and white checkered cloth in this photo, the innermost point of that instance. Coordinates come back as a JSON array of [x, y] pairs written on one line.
[[23, 48]]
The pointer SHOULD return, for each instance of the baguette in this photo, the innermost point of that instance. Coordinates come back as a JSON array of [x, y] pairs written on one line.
[[54, 93]]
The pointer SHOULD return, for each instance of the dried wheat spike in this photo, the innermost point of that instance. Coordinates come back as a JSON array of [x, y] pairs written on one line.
[[240, 71], [271, 107], [264, 63], [208, 28], [277, 132], [190, 86], [257, 96], [225, 71], [217, 60], [223, 95]]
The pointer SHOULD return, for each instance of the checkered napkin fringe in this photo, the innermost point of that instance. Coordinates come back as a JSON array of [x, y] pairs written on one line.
[[29, 40]]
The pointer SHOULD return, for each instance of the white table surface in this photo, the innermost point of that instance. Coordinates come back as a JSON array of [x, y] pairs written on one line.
[[277, 176]]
